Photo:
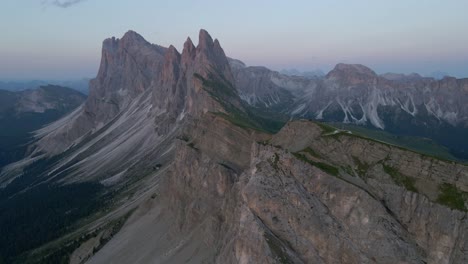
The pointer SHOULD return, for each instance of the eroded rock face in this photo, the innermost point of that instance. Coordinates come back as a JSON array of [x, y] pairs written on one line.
[[435, 229], [128, 66], [132, 68], [261, 87], [323, 218]]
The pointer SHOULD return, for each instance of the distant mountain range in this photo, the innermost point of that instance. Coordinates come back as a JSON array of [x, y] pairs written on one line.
[[352, 93], [80, 85], [307, 74]]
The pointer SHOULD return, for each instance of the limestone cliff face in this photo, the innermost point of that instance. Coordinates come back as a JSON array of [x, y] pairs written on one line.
[[128, 67], [180, 88], [313, 197], [133, 70], [408, 185]]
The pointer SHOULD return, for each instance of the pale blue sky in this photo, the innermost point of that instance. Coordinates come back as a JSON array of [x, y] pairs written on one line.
[[44, 41]]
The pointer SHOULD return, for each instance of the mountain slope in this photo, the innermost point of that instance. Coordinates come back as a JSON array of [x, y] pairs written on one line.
[[167, 165], [126, 129]]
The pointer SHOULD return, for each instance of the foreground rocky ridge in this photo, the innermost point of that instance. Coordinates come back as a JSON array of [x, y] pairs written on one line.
[[287, 205], [190, 174]]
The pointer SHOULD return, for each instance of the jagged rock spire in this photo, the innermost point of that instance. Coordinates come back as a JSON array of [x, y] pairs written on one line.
[[204, 40], [189, 52]]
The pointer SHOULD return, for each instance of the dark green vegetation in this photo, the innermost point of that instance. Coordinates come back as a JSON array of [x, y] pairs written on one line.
[[322, 166], [425, 134], [277, 248], [427, 126], [238, 112], [15, 132], [452, 197], [312, 152], [274, 161], [422, 145], [326, 129], [7, 100], [362, 167], [61, 254], [400, 179], [192, 145], [31, 215], [16, 126], [449, 195]]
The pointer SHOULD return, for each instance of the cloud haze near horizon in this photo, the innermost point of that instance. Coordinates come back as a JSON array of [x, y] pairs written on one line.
[[398, 36], [62, 3]]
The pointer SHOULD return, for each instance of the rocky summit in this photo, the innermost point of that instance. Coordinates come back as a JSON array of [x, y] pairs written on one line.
[[186, 157]]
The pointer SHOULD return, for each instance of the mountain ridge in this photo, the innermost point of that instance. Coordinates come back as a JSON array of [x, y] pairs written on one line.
[[169, 164], [354, 94]]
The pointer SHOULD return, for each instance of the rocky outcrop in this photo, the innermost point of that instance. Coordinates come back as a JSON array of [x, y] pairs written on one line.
[[407, 184], [352, 74]]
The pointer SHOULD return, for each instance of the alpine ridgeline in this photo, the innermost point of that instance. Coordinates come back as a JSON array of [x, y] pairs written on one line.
[[165, 163], [408, 105]]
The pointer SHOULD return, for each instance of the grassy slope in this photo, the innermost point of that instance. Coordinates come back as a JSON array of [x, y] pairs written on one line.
[[417, 144], [448, 195]]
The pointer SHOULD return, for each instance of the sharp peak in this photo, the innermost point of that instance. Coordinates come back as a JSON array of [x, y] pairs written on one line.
[[172, 48], [188, 45], [172, 51], [188, 41], [204, 39], [204, 33], [130, 34], [129, 38]]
